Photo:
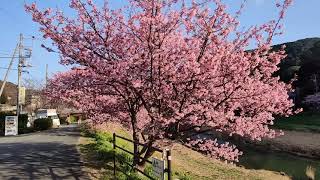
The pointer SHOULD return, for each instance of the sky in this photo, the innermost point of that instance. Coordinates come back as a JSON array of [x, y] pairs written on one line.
[[302, 21]]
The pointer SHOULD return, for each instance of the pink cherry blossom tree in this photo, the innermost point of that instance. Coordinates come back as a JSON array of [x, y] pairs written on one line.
[[164, 68]]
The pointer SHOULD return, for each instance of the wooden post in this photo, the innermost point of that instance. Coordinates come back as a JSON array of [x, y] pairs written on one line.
[[114, 155], [168, 153]]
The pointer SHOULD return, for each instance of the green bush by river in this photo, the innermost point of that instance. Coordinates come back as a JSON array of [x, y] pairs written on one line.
[[305, 121]]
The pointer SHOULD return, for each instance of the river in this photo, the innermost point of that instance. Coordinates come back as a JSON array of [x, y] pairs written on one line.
[[293, 166]]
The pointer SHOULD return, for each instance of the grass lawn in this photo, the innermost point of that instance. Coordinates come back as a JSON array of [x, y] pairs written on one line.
[[186, 164], [305, 121]]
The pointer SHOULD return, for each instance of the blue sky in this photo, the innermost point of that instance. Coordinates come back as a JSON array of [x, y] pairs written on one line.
[[302, 21]]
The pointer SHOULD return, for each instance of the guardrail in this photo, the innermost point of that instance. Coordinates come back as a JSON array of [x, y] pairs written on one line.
[[166, 155]]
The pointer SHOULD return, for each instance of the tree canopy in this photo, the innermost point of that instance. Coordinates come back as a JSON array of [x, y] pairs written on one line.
[[164, 68]]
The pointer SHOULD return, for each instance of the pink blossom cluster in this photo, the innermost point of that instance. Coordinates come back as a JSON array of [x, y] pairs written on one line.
[[166, 67], [222, 151]]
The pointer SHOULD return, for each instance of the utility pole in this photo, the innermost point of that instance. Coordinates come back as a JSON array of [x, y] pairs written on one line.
[[20, 64], [46, 75], [7, 72]]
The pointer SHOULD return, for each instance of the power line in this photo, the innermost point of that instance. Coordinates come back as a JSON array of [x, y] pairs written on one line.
[[12, 69], [7, 57], [6, 75], [4, 52], [7, 68]]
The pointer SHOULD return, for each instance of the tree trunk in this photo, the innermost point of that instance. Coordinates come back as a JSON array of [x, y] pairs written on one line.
[[135, 137], [136, 158], [147, 151]]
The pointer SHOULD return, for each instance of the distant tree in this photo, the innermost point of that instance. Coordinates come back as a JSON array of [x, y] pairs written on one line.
[[309, 72], [164, 68], [297, 54], [34, 84], [313, 101], [3, 98], [34, 95]]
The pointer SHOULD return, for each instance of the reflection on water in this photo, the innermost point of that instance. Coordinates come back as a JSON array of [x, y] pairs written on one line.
[[292, 165]]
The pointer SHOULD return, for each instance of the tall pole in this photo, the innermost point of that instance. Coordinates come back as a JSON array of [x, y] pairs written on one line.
[[7, 72], [46, 74], [20, 63]]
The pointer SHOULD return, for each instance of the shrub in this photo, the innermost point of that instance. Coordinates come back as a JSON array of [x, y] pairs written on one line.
[[43, 123], [22, 123], [1, 127], [73, 119], [87, 131]]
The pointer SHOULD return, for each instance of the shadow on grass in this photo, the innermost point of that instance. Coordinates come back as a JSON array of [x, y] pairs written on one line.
[[93, 161], [100, 153]]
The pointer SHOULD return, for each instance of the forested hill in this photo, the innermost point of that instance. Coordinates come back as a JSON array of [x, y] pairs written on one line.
[[303, 60], [9, 95], [300, 53]]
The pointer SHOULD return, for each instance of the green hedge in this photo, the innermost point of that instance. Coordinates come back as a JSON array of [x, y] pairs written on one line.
[[43, 123], [73, 119], [22, 122]]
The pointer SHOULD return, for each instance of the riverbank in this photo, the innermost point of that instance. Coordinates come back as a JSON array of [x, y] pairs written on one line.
[[187, 164], [294, 166], [291, 153], [304, 144], [301, 135]]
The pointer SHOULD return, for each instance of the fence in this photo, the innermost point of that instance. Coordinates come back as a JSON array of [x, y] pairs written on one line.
[[166, 158]]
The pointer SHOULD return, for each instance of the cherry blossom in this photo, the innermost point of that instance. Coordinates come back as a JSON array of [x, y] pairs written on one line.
[[164, 68]]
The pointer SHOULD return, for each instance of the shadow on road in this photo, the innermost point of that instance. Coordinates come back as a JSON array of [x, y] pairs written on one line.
[[63, 131], [51, 159], [40, 161]]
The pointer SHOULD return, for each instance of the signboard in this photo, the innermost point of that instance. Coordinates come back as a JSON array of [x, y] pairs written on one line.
[[11, 125], [158, 168], [22, 95]]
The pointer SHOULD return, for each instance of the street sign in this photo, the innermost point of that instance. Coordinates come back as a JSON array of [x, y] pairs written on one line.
[[22, 95], [158, 168], [11, 125]]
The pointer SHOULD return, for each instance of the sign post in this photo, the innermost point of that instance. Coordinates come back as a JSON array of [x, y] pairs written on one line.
[[158, 168], [11, 126]]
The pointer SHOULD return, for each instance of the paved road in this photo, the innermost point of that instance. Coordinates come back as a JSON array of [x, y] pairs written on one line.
[[46, 155]]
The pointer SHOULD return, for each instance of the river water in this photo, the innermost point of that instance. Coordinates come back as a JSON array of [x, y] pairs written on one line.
[[293, 166]]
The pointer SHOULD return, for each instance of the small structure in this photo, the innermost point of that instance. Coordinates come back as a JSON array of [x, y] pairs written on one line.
[[72, 115], [49, 113]]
